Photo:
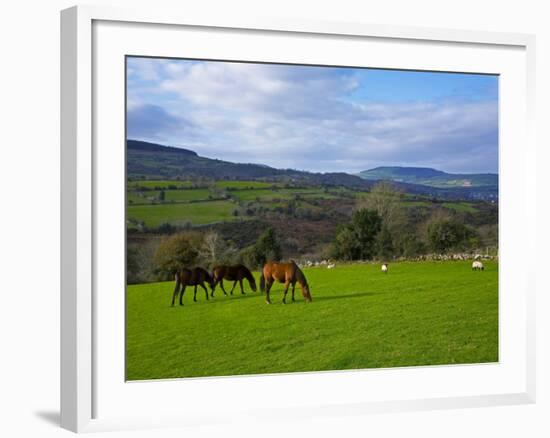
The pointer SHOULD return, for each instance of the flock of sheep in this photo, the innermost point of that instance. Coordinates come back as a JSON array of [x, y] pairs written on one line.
[[476, 265]]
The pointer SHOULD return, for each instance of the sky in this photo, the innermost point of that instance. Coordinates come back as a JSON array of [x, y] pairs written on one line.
[[320, 119]]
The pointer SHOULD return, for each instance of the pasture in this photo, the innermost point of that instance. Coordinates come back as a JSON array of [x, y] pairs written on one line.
[[215, 201], [420, 313], [179, 214]]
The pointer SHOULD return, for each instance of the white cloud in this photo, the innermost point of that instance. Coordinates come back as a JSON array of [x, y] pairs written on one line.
[[307, 118]]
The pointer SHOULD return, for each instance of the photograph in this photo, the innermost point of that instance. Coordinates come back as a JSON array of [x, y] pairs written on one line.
[[285, 218]]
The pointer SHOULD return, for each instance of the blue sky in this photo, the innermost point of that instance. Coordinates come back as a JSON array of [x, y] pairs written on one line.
[[323, 119]]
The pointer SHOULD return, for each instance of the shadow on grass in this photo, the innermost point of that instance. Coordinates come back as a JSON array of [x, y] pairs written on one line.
[[201, 300], [274, 296], [345, 296]]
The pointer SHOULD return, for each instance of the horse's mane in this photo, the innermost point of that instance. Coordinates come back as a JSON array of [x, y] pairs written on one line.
[[248, 274], [300, 275], [208, 275]]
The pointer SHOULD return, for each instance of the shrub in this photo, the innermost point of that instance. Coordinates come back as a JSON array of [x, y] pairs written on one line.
[[174, 252], [357, 240], [448, 233]]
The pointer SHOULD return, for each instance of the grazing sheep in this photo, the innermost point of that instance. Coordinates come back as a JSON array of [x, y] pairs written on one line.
[[385, 268], [477, 266], [331, 266]]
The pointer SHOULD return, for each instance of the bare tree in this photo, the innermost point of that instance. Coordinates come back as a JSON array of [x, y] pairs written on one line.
[[385, 198], [215, 250]]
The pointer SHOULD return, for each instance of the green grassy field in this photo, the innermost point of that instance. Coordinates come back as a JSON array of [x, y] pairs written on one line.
[[268, 194], [178, 214], [144, 203], [160, 184], [245, 184], [187, 195], [466, 207], [424, 313]]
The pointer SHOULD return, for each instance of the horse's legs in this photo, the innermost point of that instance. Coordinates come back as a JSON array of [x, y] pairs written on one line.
[[293, 288], [176, 291], [267, 289], [205, 290], [223, 289], [195, 294], [234, 284], [181, 294], [214, 287], [241, 284], [287, 284]]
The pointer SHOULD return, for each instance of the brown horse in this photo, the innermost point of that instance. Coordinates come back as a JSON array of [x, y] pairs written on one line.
[[191, 277], [234, 273], [287, 273]]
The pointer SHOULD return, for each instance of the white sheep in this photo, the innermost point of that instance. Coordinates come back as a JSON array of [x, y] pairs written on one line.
[[385, 268], [477, 266], [331, 266]]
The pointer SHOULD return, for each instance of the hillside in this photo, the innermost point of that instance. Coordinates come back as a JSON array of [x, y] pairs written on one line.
[[430, 177], [152, 161]]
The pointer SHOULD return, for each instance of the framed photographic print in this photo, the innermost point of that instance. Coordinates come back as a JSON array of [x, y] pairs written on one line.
[[264, 215]]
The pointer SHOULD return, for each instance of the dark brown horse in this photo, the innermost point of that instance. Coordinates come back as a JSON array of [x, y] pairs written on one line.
[[234, 273], [287, 273], [191, 277]]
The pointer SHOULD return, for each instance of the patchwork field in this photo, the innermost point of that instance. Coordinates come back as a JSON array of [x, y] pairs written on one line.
[[154, 203], [420, 313], [179, 214]]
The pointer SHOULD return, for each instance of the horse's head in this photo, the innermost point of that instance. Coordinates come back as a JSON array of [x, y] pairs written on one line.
[[210, 280], [252, 282], [305, 292], [303, 284]]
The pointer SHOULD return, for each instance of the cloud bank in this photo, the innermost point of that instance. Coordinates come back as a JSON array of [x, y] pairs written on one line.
[[315, 118]]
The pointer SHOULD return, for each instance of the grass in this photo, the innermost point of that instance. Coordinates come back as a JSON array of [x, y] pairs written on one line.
[[160, 184], [245, 184], [178, 214], [187, 195], [268, 195], [464, 207], [424, 313]]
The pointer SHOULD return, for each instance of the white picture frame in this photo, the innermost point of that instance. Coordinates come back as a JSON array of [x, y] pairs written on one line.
[[85, 176]]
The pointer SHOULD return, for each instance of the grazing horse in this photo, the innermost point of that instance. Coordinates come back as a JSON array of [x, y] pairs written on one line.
[[234, 273], [287, 273], [191, 277]]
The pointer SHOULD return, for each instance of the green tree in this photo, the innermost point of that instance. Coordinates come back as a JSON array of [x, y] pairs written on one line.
[[268, 246], [175, 252], [386, 199], [447, 233], [345, 246], [357, 240], [384, 243]]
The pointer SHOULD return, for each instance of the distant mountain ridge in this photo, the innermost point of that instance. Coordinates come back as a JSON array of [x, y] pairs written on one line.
[[430, 177], [154, 161], [145, 160], [138, 145]]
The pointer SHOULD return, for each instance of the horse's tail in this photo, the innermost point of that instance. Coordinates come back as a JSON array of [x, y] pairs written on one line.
[[262, 282]]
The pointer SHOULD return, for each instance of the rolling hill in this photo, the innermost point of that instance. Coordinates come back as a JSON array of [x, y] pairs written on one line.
[[152, 161], [430, 177]]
